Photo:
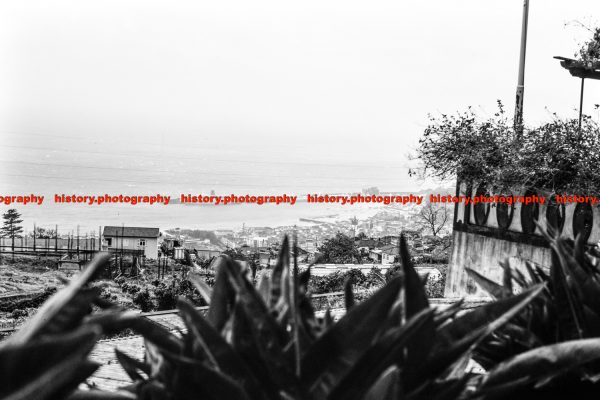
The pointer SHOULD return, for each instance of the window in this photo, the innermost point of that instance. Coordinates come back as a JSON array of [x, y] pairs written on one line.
[[108, 241], [142, 242]]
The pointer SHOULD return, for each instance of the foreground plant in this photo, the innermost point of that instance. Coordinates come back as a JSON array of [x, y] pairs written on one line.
[[559, 332], [48, 357], [267, 342]]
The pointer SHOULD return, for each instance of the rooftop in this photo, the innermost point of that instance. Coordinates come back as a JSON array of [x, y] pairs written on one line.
[[131, 231]]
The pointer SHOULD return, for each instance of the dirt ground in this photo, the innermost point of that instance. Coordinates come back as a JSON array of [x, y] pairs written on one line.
[[30, 274]]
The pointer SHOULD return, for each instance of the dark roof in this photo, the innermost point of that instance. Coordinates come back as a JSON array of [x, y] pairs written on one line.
[[130, 231]]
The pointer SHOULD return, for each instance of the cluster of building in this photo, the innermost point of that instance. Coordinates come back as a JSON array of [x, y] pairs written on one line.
[[263, 243], [383, 226]]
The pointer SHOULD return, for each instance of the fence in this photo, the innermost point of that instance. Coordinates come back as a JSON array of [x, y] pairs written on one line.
[[72, 247]]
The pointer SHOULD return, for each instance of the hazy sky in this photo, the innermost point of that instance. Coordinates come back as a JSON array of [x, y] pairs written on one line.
[[261, 96]]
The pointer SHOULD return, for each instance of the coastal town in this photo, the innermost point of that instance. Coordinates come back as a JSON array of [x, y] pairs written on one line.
[[317, 200], [375, 233]]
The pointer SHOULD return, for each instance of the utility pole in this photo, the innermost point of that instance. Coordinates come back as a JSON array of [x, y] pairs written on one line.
[[518, 121], [581, 105], [122, 236], [77, 242]]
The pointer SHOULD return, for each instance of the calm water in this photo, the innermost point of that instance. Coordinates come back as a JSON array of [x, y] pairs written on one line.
[[89, 218]]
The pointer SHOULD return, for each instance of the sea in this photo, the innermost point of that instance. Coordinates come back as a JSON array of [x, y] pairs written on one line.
[[48, 164], [70, 217]]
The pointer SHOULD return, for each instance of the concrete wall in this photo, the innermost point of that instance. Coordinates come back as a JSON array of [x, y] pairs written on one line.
[[481, 254], [482, 246]]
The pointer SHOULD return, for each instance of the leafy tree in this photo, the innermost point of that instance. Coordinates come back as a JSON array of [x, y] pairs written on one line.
[[42, 233], [555, 157], [11, 227], [339, 249]]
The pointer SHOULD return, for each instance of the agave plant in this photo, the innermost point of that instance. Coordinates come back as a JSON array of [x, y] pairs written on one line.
[[266, 343], [560, 330], [48, 357]]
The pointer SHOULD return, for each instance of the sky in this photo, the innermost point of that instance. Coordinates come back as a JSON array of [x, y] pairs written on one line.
[[262, 96]]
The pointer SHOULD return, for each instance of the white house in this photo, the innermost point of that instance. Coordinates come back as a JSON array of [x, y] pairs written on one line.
[[130, 238]]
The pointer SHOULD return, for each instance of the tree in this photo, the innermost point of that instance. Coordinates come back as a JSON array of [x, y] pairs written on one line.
[[556, 156], [42, 233], [11, 228], [433, 217], [339, 249], [361, 236]]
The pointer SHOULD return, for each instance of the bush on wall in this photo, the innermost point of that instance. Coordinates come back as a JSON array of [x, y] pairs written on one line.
[[555, 157]]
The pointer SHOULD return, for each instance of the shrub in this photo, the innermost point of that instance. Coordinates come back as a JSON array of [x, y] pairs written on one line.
[[435, 285], [374, 278], [335, 281], [47, 358], [18, 313], [133, 289], [119, 280], [143, 301], [130, 288], [187, 290], [167, 294], [105, 294], [166, 297], [556, 156]]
